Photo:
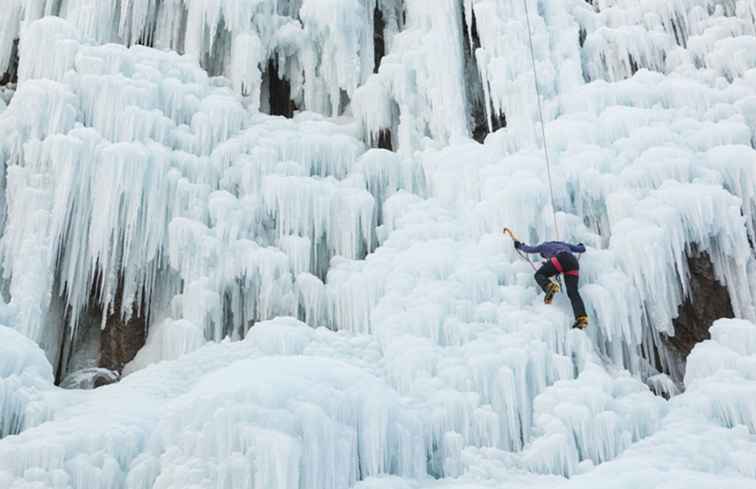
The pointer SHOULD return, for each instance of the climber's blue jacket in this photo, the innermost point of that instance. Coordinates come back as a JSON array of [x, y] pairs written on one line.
[[551, 248]]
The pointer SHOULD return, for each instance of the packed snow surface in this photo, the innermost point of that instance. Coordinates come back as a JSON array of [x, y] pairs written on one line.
[[292, 407], [322, 313]]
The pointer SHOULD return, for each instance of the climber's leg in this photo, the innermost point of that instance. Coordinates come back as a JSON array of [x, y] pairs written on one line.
[[571, 268], [548, 286], [544, 273], [578, 307]]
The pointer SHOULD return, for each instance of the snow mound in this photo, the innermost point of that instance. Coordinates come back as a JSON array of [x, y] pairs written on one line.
[[295, 407], [286, 408], [721, 375], [24, 374]]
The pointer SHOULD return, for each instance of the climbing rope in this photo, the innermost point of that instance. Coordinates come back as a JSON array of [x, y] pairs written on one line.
[[540, 117], [522, 255], [526, 257]]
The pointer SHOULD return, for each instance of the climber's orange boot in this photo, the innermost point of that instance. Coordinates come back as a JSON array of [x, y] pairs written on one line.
[[551, 290]]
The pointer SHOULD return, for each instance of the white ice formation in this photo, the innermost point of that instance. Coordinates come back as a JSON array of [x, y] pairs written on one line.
[[323, 313]]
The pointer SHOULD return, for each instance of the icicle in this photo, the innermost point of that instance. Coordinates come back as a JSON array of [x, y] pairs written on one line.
[[55, 38], [24, 375], [149, 180]]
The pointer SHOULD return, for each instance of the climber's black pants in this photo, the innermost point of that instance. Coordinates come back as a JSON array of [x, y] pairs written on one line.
[[567, 264]]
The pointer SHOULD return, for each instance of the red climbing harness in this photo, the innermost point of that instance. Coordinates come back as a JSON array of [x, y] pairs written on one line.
[[558, 266]]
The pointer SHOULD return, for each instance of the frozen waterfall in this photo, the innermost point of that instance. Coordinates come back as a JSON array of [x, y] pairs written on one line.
[[278, 223]]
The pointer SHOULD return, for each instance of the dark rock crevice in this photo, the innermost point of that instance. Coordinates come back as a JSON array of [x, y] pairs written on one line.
[[147, 36], [11, 75], [383, 141], [218, 57], [480, 122], [384, 138], [278, 92], [121, 338], [679, 30], [98, 349], [379, 41], [708, 301], [155, 19]]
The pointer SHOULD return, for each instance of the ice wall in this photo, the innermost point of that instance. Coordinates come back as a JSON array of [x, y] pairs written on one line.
[[324, 50], [219, 179], [216, 180], [138, 179], [238, 216]]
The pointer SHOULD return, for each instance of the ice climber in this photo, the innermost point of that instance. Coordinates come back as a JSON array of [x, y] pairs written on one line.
[[559, 259]]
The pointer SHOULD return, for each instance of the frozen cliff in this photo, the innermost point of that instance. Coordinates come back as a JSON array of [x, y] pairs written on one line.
[[274, 226]]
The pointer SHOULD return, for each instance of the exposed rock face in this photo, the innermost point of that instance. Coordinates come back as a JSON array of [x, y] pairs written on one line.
[[95, 355], [121, 339], [379, 42], [476, 100], [11, 76], [279, 91], [708, 302], [384, 140]]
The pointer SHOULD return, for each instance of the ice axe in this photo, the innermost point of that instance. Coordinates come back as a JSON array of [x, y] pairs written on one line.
[[510, 233], [525, 257]]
